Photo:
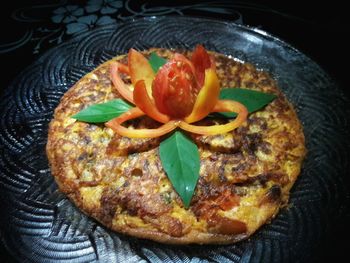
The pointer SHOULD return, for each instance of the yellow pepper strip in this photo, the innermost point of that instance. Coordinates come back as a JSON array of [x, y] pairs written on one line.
[[207, 97], [221, 106], [133, 113], [140, 69], [118, 83], [145, 103]]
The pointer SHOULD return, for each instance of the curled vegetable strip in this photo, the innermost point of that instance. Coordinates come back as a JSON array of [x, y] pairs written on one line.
[[207, 97], [184, 83], [221, 106], [118, 83], [133, 113], [145, 103], [140, 69]]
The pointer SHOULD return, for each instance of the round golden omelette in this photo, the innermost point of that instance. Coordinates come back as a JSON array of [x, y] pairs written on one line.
[[245, 175]]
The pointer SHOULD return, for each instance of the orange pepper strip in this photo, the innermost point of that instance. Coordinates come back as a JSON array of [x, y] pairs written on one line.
[[133, 113], [140, 69], [130, 114], [207, 97], [118, 83], [123, 68], [221, 106], [144, 102]]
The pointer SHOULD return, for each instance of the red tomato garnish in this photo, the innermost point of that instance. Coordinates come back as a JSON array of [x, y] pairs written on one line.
[[201, 61], [182, 92], [175, 88]]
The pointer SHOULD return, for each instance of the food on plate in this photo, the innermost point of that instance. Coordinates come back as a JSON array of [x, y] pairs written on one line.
[[177, 146]]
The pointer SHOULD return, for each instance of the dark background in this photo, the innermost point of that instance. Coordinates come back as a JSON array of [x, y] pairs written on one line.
[[317, 29]]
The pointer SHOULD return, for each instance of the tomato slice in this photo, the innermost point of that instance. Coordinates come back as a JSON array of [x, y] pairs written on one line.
[[227, 200], [118, 83], [201, 61], [133, 113], [140, 69], [221, 106], [145, 103], [182, 58], [207, 97], [175, 88]]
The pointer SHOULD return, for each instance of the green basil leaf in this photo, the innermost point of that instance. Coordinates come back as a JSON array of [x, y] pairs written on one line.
[[253, 100], [103, 112], [156, 61], [180, 160]]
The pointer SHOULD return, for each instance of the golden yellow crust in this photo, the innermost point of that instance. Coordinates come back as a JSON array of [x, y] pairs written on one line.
[[121, 183]]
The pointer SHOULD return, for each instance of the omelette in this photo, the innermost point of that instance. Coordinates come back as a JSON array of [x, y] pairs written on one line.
[[245, 175]]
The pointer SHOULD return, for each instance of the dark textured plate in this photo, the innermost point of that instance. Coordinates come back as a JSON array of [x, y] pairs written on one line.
[[39, 224]]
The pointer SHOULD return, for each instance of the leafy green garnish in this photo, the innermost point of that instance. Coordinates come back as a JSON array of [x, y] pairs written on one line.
[[180, 160], [253, 100], [156, 61], [103, 112]]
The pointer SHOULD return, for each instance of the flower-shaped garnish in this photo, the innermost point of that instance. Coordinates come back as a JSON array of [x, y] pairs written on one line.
[[175, 93], [182, 92]]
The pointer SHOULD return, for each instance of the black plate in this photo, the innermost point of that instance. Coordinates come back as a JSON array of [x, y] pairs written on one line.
[[39, 224]]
